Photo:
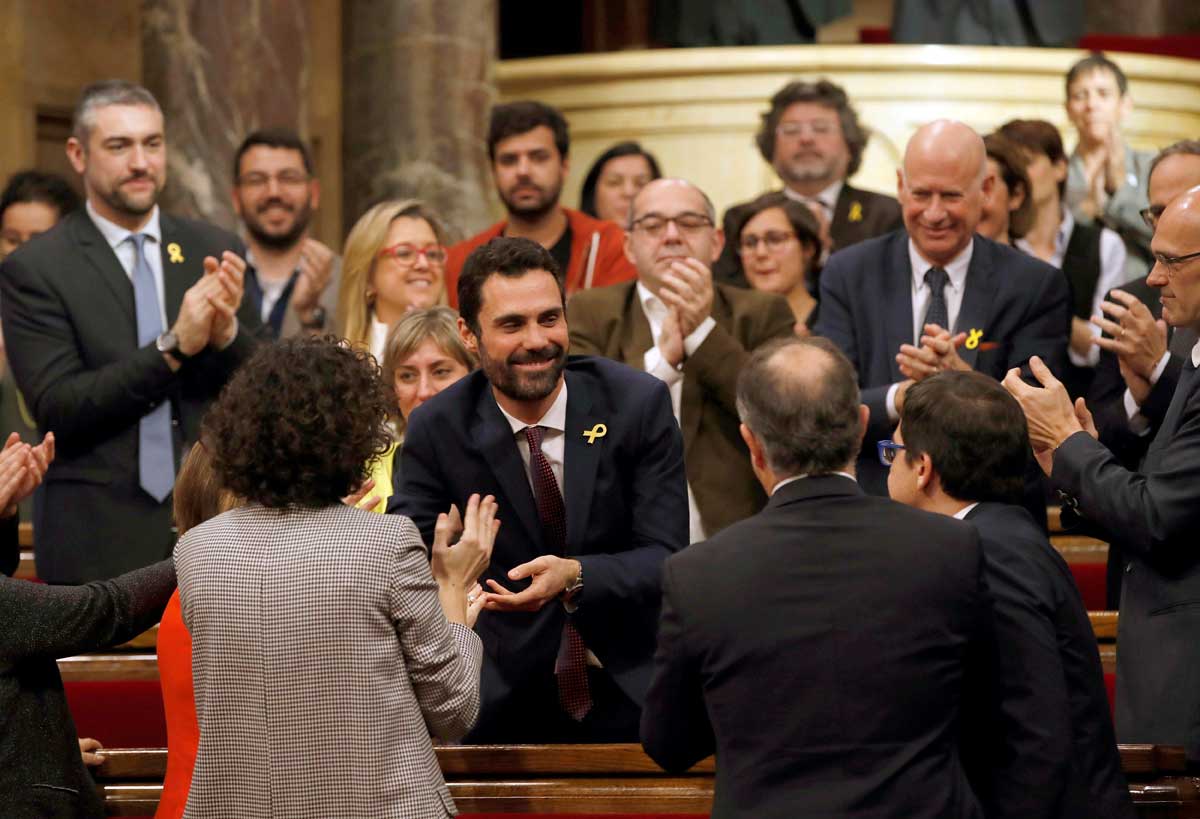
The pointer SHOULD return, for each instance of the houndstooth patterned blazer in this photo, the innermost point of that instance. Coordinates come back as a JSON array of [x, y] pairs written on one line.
[[322, 663]]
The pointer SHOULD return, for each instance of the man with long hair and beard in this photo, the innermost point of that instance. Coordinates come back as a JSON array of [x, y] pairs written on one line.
[[528, 144], [586, 462], [291, 278]]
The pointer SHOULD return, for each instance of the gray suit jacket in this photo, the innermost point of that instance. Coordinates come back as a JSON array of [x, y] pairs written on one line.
[[41, 773], [322, 662]]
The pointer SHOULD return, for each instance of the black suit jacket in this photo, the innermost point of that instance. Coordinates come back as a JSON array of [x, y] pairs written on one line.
[[822, 649], [41, 772], [626, 505], [1021, 305], [71, 334], [1060, 755], [1153, 515], [858, 215]]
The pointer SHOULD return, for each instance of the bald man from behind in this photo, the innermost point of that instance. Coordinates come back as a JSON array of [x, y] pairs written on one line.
[[936, 295], [1152, 513]]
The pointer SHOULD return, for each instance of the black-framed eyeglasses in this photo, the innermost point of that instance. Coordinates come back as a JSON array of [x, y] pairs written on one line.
[[888, 451], [1173, 263], [654, 224], [775, 240]]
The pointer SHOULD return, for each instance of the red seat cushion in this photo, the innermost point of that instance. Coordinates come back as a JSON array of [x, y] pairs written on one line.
[[1110, 685], [120, 714], [1092, 580]]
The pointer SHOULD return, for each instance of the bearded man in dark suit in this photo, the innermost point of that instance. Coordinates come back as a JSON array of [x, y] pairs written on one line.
[[121, 324]]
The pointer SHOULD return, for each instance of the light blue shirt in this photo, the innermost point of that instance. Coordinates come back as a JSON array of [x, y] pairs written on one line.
[[118, 239]]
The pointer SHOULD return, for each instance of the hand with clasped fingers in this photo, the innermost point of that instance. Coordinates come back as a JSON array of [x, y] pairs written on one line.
[[937, 352], [457, 567], [22, 468]]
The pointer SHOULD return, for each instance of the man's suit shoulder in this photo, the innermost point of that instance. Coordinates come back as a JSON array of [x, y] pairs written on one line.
[[864, 257], [1015, 263], [204, 232], [874, 201], [613, 376]]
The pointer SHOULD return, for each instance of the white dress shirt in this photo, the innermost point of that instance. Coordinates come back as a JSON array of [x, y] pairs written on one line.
[[953, 293], [1112, 273], [554, 437], [379, 334], [654, 363], [961, 514], [1139, 423], [118, 239]]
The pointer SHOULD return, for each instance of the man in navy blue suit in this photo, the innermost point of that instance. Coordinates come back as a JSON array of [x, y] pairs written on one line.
[[585, 460], [936, 296]]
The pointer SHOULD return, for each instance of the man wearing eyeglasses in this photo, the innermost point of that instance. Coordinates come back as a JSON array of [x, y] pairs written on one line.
[[811, 136], [1048, 749], [1153, 513], [122, 323], [1141, 357], [291, 278], [676, 324]]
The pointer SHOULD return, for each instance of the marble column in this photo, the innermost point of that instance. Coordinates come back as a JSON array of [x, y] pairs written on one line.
[[221, 69], [417, 91]]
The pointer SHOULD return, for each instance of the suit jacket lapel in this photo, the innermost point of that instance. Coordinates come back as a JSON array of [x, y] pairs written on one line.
[[580, 457], [979, 292], [636, 337], [102, 258], [897, 292], [691, 397], [839, 224], [498, 447], [178, 275]]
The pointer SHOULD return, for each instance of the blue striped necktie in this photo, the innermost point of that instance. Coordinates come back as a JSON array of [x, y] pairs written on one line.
[[156, 451]]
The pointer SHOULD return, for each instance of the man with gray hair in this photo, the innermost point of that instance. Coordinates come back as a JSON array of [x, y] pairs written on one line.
[[935, 295], [675, 323], [869, 617], [121, 324]]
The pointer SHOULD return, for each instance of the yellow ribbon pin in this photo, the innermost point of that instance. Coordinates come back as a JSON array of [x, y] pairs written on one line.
[[973, 339], [598, 431], [855, 212], [175, 253]]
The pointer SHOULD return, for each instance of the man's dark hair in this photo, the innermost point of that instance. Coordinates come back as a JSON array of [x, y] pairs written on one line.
[[39, 186], [273, 138], [1038, 136], [802, 408], [587, 195], [513, 118], [973, 431], [503, 256], [103, 94], [1097, 61], [821, 92], [298, 423], [1184, 147]]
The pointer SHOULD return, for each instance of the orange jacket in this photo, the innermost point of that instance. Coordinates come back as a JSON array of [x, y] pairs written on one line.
[[597, 254]]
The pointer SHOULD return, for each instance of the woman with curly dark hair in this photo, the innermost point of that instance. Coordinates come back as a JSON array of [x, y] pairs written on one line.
[[325, 650]]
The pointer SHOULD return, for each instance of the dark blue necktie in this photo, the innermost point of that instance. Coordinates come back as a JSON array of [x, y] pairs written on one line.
[[156, 453], [937, 313]]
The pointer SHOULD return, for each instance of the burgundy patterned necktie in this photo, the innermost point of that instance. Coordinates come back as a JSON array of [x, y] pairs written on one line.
[[571, 667]]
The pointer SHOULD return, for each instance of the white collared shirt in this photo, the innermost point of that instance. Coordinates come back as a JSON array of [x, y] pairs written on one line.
[[961, 514], [379, 334], [554, 437], [827, 197], [1112, 273], [955, 288], [118, 239], [654, 363], [795, 478]]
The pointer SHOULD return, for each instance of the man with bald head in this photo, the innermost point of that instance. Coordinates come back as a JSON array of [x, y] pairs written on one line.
[[676, 323], [826, 648], [936, 295], [1153, 514]]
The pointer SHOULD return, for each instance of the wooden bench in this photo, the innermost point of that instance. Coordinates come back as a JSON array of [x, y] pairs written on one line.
[[609, 779]]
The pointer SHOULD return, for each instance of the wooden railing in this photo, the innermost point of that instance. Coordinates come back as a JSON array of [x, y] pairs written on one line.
[[610, 779]]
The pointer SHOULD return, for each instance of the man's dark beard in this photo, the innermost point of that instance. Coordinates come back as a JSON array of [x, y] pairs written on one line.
[[531, 387], [281, 241], [117, 200], [535, 212]]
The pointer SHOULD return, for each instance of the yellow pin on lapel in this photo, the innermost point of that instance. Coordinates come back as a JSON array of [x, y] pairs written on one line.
[[175, 253], [973, 338], [855, 212], [598, 431]]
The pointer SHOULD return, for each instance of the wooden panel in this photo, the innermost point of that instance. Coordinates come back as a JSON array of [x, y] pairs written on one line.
[[101, 667], [1104, 624], [1080, 549]]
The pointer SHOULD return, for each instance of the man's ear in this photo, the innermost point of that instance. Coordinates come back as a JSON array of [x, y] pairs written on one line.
[[468, 337], [76, 155], [925, 472], [864, 418], [757, 457]]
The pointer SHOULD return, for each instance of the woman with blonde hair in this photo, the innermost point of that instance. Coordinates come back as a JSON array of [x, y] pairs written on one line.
[[423, 355], [393, 262]]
